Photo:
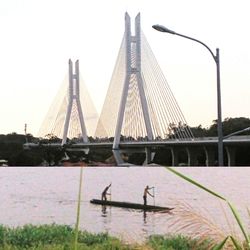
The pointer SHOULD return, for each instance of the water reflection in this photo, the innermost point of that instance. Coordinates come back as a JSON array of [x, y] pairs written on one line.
[[145, 217], [104, 211]]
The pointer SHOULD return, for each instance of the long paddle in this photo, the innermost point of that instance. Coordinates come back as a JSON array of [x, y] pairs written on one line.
[[110, 190], [154, 194]]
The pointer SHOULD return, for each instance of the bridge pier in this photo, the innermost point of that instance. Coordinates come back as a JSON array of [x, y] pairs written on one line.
[[231, 152], [118, 157], [193, 154], [149, 156], [175, 155], [210, 155]]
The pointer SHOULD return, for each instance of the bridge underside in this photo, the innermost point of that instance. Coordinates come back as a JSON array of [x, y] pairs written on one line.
[[188, 153], [178, 156]]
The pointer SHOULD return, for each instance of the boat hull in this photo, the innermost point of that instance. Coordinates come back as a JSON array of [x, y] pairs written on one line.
[[130, 205]]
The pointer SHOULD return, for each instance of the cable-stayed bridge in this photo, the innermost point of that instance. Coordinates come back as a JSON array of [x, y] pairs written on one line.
[[139, 109]]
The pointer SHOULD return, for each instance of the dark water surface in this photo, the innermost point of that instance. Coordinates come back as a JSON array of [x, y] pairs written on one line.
[[49, 195]]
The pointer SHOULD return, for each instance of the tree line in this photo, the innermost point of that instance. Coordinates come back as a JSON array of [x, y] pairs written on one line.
[[12, 150]]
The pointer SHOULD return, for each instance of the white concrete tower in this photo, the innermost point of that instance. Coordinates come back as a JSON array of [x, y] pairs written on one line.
[[133, 70], [74, 96]]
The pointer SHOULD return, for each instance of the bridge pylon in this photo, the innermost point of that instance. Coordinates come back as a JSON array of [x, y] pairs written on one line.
[[74, 96], [133, 74]]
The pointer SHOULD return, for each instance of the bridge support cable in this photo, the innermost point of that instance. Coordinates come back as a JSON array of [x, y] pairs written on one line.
[[54, 119], [153, 76], [68, 116], [108, 117]]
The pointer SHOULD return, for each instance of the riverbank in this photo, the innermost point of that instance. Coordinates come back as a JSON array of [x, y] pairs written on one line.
[[55, 237]]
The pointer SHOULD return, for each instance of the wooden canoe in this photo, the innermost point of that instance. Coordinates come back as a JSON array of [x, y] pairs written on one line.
[[130, 205]]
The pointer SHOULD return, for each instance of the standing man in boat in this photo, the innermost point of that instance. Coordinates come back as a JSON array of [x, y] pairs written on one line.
[[105, 192], [146, 192]]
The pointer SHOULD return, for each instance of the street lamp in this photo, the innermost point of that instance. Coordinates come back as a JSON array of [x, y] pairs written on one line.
[[216, 58]]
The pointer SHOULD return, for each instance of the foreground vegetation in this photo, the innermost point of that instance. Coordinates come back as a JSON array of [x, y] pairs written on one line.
[[203, 229], [57, 237]]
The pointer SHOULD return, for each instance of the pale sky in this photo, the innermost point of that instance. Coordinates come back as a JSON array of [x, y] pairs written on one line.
[[39, 36]]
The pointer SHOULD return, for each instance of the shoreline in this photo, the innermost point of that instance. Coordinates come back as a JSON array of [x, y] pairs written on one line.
[[55, 236]]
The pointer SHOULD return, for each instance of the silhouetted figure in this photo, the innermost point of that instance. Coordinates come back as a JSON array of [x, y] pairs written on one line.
[[146, 192], [105, 192]]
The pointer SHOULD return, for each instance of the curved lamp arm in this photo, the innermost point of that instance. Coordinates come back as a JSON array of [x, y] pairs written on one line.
[[162, 28]]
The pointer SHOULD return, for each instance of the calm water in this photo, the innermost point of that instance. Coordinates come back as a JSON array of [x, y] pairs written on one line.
[[47, 195]]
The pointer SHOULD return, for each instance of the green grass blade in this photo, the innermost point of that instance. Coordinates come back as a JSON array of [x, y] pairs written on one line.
[[236, 216], [235, 243], [248, 211], [78, 210], [195, 183], [221, 245]]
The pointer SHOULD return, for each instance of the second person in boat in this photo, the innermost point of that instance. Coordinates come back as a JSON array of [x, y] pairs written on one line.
[[105, 192], [146, 192]]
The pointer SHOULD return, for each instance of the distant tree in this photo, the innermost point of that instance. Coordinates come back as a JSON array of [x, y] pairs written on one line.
[[199, 131], [26, 158], [230, 125]]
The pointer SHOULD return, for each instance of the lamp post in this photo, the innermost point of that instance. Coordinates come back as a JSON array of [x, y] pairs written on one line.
[[216, 58]]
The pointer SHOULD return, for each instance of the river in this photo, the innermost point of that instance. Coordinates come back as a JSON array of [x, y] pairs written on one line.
[[39, 195]]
